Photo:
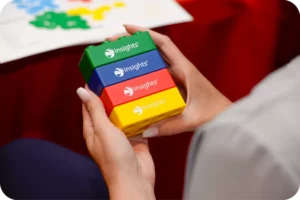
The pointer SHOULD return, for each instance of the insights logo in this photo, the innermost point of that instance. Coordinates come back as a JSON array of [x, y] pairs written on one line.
[[129, 91], [120, 72], [110, 53], [138, 110]]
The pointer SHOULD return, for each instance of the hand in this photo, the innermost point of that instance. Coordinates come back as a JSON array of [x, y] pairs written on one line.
[[126, 166], [203, 100]]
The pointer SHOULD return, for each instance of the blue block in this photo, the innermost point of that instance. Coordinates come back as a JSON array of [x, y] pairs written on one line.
[[124, 70]]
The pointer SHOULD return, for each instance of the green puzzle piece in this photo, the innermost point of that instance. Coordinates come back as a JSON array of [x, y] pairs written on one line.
[[52, 20]]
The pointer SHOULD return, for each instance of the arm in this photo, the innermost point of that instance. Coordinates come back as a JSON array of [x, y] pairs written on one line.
[[229, 162], [251, 151]]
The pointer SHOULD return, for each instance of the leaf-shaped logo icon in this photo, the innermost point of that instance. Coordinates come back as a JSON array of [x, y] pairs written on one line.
[[109, 53], [119, 72], [138, 110], [128, 91]]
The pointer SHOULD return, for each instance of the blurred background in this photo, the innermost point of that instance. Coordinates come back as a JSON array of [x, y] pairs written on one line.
[[234, 43]]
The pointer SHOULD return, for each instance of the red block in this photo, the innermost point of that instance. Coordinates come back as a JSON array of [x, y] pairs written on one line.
[[136, 88]]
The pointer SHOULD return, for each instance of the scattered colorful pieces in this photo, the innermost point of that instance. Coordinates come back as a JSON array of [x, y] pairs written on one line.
[[97, 14], [70, 19], [34, 6], [52, 20]]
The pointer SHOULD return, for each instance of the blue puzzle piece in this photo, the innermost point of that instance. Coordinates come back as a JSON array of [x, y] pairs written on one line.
[[124, 70], [34, 6]]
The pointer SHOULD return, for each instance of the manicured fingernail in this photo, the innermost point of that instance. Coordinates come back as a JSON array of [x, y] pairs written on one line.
[[151, 132], [83, 94]]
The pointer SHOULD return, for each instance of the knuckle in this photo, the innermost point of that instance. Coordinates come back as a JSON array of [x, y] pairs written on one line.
[[90, 106], [98, 130], [167, 39]]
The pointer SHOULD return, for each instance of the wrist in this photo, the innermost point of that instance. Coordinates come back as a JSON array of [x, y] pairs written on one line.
[[133, 188]]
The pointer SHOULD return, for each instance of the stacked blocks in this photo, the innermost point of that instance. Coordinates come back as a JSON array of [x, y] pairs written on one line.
[[132, 80]]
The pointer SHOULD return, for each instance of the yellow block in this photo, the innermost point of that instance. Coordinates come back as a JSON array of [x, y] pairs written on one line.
[[134, 117]]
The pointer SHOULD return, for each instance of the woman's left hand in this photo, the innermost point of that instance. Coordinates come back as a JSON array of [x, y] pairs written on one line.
[[126, 165]]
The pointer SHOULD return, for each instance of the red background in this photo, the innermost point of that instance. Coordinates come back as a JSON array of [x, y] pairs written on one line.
[[234, 43]]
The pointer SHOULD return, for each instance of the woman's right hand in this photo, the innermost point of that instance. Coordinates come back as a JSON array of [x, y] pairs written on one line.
[[203, 100]]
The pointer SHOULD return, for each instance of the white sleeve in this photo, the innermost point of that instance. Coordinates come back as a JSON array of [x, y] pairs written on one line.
[[228, 163], [252, 150]]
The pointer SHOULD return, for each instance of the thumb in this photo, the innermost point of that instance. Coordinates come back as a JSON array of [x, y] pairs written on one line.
[[167, 127], [95, 113]]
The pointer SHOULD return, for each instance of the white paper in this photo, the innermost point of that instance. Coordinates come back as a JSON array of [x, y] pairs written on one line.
[[19, 38]]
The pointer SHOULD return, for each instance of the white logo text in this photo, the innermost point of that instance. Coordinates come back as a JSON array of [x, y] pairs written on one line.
[[120, 72], [138, 110], [129, 91], [110, 53]]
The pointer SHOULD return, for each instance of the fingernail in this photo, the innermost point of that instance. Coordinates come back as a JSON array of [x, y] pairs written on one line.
[[151, 132], [83, 94]]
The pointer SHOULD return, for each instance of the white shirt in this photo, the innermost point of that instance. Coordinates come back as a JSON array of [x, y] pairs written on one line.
[[252, 150]]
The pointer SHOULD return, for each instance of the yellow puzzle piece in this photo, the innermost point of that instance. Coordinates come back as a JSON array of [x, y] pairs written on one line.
[[80, 11], [97, 14], [119, 4], [134, 117]]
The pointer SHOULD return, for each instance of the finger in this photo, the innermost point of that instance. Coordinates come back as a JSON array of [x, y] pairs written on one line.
[[109, 132], [171, 126], [165, 57], [138, 140], [168, 48], [94, 107], [182, 92], [88, 130], [139, 144], [117, 36]]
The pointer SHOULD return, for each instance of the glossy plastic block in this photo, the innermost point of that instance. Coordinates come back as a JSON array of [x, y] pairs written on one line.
[[109, 52], [134, 117], [125, 70], [136, 88]]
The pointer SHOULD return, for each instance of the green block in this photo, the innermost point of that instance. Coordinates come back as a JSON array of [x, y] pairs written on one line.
[[109, 52]]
